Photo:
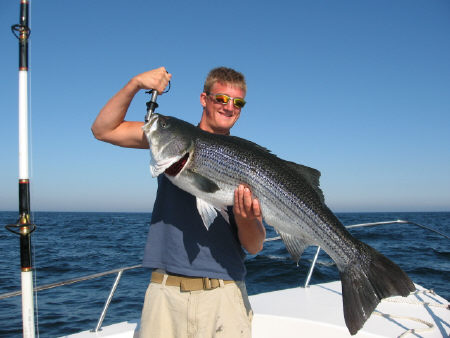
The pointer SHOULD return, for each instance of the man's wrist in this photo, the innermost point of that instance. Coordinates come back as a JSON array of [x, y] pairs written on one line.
[[134, 85]]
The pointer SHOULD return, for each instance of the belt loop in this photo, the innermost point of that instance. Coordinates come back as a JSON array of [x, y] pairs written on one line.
[[164, 280], [221, 283], [206, 283]]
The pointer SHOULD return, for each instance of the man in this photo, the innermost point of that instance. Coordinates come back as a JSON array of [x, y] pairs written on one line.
[[197, 287]]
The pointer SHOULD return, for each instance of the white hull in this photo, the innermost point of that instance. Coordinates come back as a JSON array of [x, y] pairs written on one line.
[[317, 312]]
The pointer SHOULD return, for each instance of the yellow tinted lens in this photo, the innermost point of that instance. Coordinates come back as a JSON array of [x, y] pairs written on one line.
[[220, 98], [239, 103]]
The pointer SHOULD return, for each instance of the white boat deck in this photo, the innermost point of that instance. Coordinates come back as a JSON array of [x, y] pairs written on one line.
[[317, 312]]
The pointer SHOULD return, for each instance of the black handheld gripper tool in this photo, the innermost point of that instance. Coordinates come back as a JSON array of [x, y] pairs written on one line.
[[151, 105]]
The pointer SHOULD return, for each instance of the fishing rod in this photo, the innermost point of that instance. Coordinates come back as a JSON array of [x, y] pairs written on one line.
[[24, 226]]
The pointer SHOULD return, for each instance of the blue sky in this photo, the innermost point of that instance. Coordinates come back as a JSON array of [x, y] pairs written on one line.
[[358, 89]]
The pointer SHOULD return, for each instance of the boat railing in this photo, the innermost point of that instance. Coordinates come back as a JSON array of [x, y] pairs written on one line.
[[316, 255], [120, 271]]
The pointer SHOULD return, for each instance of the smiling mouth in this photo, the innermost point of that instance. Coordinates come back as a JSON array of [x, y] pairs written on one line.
[[226, 114]]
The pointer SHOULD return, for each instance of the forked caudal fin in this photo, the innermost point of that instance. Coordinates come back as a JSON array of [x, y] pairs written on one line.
[[368, 281]]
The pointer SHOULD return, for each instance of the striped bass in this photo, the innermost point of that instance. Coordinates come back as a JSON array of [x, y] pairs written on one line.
[[210, 167]]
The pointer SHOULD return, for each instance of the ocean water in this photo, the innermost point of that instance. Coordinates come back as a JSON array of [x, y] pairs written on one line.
[[70, 245]]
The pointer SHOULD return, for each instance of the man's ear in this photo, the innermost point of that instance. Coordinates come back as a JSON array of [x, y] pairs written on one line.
[[203, 99]]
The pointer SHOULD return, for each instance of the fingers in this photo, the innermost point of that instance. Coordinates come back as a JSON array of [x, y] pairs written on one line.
[[164, 80], [241, 199], [237, 204], [157, 79], [244, 203], [256, 208]]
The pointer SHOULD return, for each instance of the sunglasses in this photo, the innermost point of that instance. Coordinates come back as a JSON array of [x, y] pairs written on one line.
[[224, 99]]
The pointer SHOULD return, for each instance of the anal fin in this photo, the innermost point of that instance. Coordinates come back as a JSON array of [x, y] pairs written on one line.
[[294, 245]]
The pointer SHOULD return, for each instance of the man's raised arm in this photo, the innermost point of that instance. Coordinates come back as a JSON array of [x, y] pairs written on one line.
[[110, 125]]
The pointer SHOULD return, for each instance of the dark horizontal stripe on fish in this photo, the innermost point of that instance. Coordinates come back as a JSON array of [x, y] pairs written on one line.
[[177, 166]]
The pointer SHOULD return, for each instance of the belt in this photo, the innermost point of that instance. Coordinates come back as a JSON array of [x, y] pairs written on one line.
[[188, 283]]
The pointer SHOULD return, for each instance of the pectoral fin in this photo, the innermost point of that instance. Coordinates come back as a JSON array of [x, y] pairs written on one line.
[[203, 183], [207, 212]]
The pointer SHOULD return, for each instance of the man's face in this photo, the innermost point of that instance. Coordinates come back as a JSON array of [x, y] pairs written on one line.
[[217, 117]]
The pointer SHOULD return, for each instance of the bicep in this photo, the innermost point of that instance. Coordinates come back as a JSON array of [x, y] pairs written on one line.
[[128, 134]]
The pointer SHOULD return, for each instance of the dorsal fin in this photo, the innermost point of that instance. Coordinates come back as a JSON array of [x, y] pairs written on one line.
[[311, 175], [249, 143]]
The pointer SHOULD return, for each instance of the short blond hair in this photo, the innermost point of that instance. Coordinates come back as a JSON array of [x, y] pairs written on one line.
[[226, 76]]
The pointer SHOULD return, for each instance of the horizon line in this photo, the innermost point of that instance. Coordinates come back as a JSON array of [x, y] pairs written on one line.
[[149, 212]]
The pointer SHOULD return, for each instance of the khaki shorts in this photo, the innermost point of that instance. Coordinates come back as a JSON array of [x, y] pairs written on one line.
[[220, 312]]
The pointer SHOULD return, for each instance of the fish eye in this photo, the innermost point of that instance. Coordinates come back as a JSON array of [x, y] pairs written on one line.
[[164, 123]]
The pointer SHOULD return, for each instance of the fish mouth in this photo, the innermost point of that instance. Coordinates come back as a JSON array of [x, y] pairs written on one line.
[[147, 127], [170, 166], [159, 167], [176, 167], [152, 119]]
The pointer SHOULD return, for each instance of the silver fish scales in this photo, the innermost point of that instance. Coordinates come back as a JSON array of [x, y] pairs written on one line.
[[211, 166]]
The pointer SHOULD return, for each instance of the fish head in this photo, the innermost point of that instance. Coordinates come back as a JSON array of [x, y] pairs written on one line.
[[171, 143]]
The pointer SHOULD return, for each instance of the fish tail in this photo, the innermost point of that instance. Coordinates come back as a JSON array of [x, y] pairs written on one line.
[[366, 282]]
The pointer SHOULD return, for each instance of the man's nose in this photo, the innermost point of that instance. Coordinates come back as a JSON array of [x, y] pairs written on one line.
[[229, 105]]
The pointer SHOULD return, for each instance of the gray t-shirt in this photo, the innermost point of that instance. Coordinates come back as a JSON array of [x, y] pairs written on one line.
[[179, 243]]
